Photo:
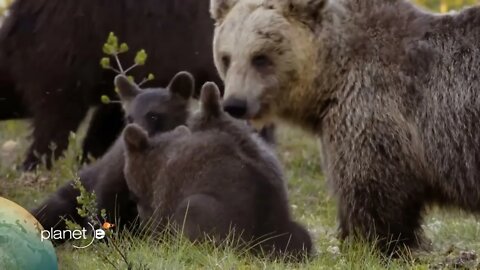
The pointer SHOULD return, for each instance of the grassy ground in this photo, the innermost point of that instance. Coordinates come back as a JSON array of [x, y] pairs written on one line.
[[452, 232], [455, 235]]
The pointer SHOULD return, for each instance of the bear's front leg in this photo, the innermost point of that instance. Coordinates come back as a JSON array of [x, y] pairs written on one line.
[[377, 173], [60, 206], [54, 118]]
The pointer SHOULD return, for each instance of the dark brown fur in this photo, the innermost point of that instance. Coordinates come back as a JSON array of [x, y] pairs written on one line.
[[50, 52], [156, 110], [218, 177]]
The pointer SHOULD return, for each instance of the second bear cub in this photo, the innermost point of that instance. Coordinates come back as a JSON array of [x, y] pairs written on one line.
[[211, 179], [154, 109]]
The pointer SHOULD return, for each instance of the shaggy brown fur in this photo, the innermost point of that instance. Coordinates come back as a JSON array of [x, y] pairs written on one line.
[[156, 110], [50, 52], [218, 177], [391, 90]]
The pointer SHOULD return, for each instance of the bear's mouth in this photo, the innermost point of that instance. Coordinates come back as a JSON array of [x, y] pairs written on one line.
[[258, 124], [262, 111], [261, 117]]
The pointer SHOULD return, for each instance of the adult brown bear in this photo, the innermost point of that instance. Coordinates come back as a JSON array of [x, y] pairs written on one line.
[[49, 59], [391, 90]]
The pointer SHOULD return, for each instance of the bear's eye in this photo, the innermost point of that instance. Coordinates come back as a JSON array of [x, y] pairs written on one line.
[[226, 61], [154, 116], [129, 119], [261, 61]]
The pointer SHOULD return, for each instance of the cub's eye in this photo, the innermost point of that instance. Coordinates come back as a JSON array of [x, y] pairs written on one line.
[[226, 61], [154, 117], [261, 61], [129, 119], [156, 122]]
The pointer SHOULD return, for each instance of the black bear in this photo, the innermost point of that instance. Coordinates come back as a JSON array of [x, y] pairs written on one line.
[[49, 61], [156, 110], [217, 178]]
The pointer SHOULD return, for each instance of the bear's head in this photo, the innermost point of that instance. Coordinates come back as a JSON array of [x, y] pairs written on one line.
[[157, 109], [212, 116], [264, 51], [144, 156]]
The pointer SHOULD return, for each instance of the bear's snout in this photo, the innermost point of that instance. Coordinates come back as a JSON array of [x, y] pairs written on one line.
[[235, 107]]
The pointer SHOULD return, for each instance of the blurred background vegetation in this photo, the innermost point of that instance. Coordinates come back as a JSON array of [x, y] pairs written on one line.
[[4, 4], [445, 5], [435, 5]]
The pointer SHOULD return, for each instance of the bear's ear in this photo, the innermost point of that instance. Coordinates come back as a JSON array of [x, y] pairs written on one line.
[[182, 130], [135, 138], [126, 89], [307, 11], [210, 98], [220, 8], [182, 84]]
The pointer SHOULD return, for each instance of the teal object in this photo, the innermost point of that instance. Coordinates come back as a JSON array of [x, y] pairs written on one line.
[[21, 246]]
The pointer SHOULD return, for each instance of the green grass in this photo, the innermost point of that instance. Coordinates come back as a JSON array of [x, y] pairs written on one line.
[[451, 231]]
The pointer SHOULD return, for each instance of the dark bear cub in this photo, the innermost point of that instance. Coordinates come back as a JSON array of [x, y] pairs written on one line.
[[156, 110], [211, 179]]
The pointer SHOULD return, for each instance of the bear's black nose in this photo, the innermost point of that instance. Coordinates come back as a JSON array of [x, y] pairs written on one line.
[[235, 107]]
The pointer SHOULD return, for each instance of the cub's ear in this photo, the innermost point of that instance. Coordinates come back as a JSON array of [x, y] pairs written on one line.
[[182, 131], [182, 84], [126, 89], [220, 8], [210, 99], [135, 138], [307, 11]]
